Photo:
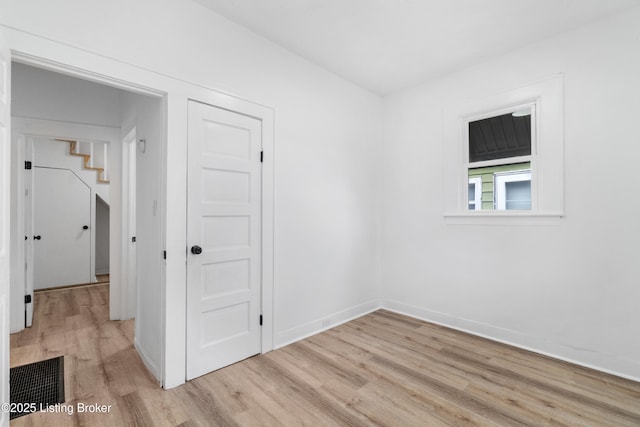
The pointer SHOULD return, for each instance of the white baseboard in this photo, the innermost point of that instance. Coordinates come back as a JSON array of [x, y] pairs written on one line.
[[592, 359], [152, 367], [297, 333]]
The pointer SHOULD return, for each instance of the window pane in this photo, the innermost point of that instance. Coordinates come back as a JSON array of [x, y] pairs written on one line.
[[489, 182], [518, 195], [500, 137], [513, 190], [472, 197]]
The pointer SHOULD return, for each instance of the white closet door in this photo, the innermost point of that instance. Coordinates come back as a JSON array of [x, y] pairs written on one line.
[[62, 239], [223, 232]]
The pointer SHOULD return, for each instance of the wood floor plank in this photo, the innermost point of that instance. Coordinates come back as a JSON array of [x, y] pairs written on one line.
[[311, 397], [446, 413], [382, 369]]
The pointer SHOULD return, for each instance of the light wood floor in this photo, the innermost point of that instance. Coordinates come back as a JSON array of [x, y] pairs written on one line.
[[381, 369]]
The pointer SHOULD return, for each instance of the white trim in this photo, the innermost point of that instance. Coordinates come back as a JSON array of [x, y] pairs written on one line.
[[499, 162], [503, 218], [6, 171], [68, 70], [20, 249], [268, 227], [148, 362], [128, 306], [477, 199], [27, 225]]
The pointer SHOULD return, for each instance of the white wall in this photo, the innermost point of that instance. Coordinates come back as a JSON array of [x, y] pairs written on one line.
[[570, 288], [327, 137], [145, 115], [44, 95]]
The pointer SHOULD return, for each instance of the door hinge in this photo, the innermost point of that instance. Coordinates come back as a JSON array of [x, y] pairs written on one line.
[[133, 239], [164, 254], [261, 320], [261, 156], [27, 165], [27, 299]]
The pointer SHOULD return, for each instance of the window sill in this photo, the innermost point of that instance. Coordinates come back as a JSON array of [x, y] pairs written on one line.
[[503, 218]]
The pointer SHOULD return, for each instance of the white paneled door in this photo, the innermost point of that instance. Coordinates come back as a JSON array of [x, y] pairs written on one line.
[[224, 238], [62, 239], [5, 167]]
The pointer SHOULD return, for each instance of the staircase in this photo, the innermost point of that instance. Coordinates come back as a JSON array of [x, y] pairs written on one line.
[[95, 156]]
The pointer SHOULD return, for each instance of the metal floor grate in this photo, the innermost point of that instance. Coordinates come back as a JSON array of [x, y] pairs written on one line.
[[40, 383]]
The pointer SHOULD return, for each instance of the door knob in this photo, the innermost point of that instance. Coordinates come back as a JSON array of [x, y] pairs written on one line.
[[196, 250], [85, 227], [38, 237]]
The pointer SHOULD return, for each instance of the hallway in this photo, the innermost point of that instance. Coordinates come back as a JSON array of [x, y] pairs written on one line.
[[101, 364]]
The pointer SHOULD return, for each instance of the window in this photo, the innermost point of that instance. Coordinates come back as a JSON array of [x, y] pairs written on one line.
[[513, 190], [499, 154], [504, 154]]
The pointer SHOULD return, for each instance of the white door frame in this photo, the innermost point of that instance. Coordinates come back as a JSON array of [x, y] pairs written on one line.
[[128, 296], [21, 245], [5, 223]]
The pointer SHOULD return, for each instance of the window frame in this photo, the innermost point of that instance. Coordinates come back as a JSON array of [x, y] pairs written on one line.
[[531, 158], [547, 158]]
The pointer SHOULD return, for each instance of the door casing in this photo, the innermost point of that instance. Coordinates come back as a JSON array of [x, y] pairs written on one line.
[[5, 223]]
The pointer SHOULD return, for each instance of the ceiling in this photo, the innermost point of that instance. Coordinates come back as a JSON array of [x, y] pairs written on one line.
[[387, 45]]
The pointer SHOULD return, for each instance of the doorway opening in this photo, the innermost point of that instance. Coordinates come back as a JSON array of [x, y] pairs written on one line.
[[79, 139]]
